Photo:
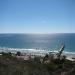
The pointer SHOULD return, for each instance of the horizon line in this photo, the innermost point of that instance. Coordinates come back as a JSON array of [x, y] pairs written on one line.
[[40, 33]]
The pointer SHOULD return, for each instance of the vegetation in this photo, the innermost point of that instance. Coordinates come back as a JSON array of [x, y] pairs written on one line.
[[10, 65], [18, 53]]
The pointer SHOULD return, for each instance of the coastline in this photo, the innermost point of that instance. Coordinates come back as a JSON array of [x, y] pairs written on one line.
[[37, 52], [70, 57]]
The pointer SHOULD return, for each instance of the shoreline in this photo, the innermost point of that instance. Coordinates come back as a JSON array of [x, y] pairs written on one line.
[[37, 52], [69, 56]]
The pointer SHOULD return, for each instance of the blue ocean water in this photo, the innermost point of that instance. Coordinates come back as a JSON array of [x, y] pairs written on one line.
[[38, 41]]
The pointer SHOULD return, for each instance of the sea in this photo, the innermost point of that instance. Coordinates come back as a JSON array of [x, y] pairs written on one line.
[[38, 43]]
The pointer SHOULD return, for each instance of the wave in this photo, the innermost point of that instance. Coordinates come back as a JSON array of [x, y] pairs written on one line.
[[39, 51], [5, 49]]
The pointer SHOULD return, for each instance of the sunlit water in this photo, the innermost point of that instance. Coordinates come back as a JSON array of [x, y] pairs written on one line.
[[37, 42]]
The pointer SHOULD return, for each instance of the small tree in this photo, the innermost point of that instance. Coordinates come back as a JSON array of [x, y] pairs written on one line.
[[46, 57], [18, 53]]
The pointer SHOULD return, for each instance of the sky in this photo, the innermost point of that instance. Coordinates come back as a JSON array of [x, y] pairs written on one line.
[[37, 16]]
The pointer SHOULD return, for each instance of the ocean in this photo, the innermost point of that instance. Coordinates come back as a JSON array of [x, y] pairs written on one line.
[[37, 42]]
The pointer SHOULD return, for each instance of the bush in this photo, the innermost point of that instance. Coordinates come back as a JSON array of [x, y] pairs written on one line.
[[51, 66], [18, 53]]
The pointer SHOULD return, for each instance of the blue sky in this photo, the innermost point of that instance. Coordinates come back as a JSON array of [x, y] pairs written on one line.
[[37, 16]]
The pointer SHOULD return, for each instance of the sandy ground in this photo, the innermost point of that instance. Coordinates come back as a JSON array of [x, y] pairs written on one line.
[[71, 57]]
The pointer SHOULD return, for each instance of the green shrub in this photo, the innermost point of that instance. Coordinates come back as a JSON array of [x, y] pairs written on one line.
[[51, 66]]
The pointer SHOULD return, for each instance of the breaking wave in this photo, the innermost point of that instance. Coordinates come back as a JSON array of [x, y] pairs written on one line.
[[39, 51]]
